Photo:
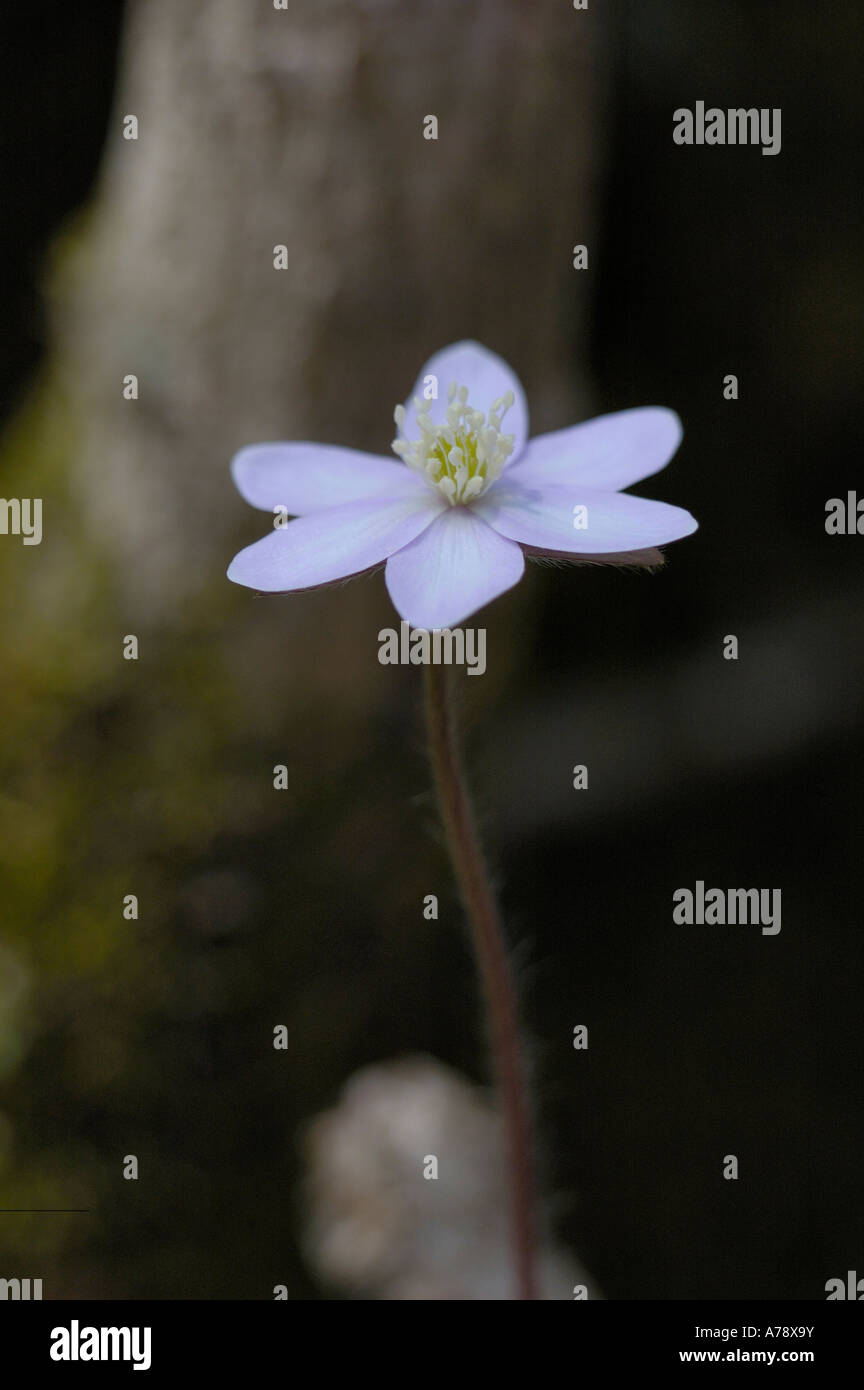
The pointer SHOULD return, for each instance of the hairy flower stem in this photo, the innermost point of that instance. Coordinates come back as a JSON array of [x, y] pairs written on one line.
[[493, 964]]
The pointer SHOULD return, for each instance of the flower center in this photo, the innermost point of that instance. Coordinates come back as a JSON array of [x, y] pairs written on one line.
[[464, 456]]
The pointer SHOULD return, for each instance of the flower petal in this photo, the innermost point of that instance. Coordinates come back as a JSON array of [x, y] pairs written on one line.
[[334, 544], [487, 377], [546, 517], [452, 569], [301, 478], [607, 453]]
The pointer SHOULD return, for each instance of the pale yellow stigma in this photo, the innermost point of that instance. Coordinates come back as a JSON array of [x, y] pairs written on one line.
[[464, 456]]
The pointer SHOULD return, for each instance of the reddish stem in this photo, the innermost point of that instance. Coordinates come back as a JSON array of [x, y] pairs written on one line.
[[493, 964]]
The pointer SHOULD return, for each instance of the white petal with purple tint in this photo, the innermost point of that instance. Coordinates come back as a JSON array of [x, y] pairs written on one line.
[[304, 478], [452, 569], [487, 376], [335, 543], [606, 454], [544, 517]]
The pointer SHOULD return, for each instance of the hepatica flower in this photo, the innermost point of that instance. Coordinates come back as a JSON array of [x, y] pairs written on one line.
[[465, 499], [452, 517]]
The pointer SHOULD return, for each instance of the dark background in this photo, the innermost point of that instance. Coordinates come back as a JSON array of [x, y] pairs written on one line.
[[704, 1041]]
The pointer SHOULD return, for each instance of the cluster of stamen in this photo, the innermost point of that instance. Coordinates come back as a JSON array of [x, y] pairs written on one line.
[[464, 456]]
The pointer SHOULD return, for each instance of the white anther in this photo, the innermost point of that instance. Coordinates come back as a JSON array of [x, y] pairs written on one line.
[[464, 454]]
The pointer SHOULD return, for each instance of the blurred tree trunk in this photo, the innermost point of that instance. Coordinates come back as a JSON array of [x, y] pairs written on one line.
[[304, 127], [257, 127]]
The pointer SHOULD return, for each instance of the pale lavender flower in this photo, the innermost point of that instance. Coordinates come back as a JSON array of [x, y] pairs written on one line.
[[455, 514]]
